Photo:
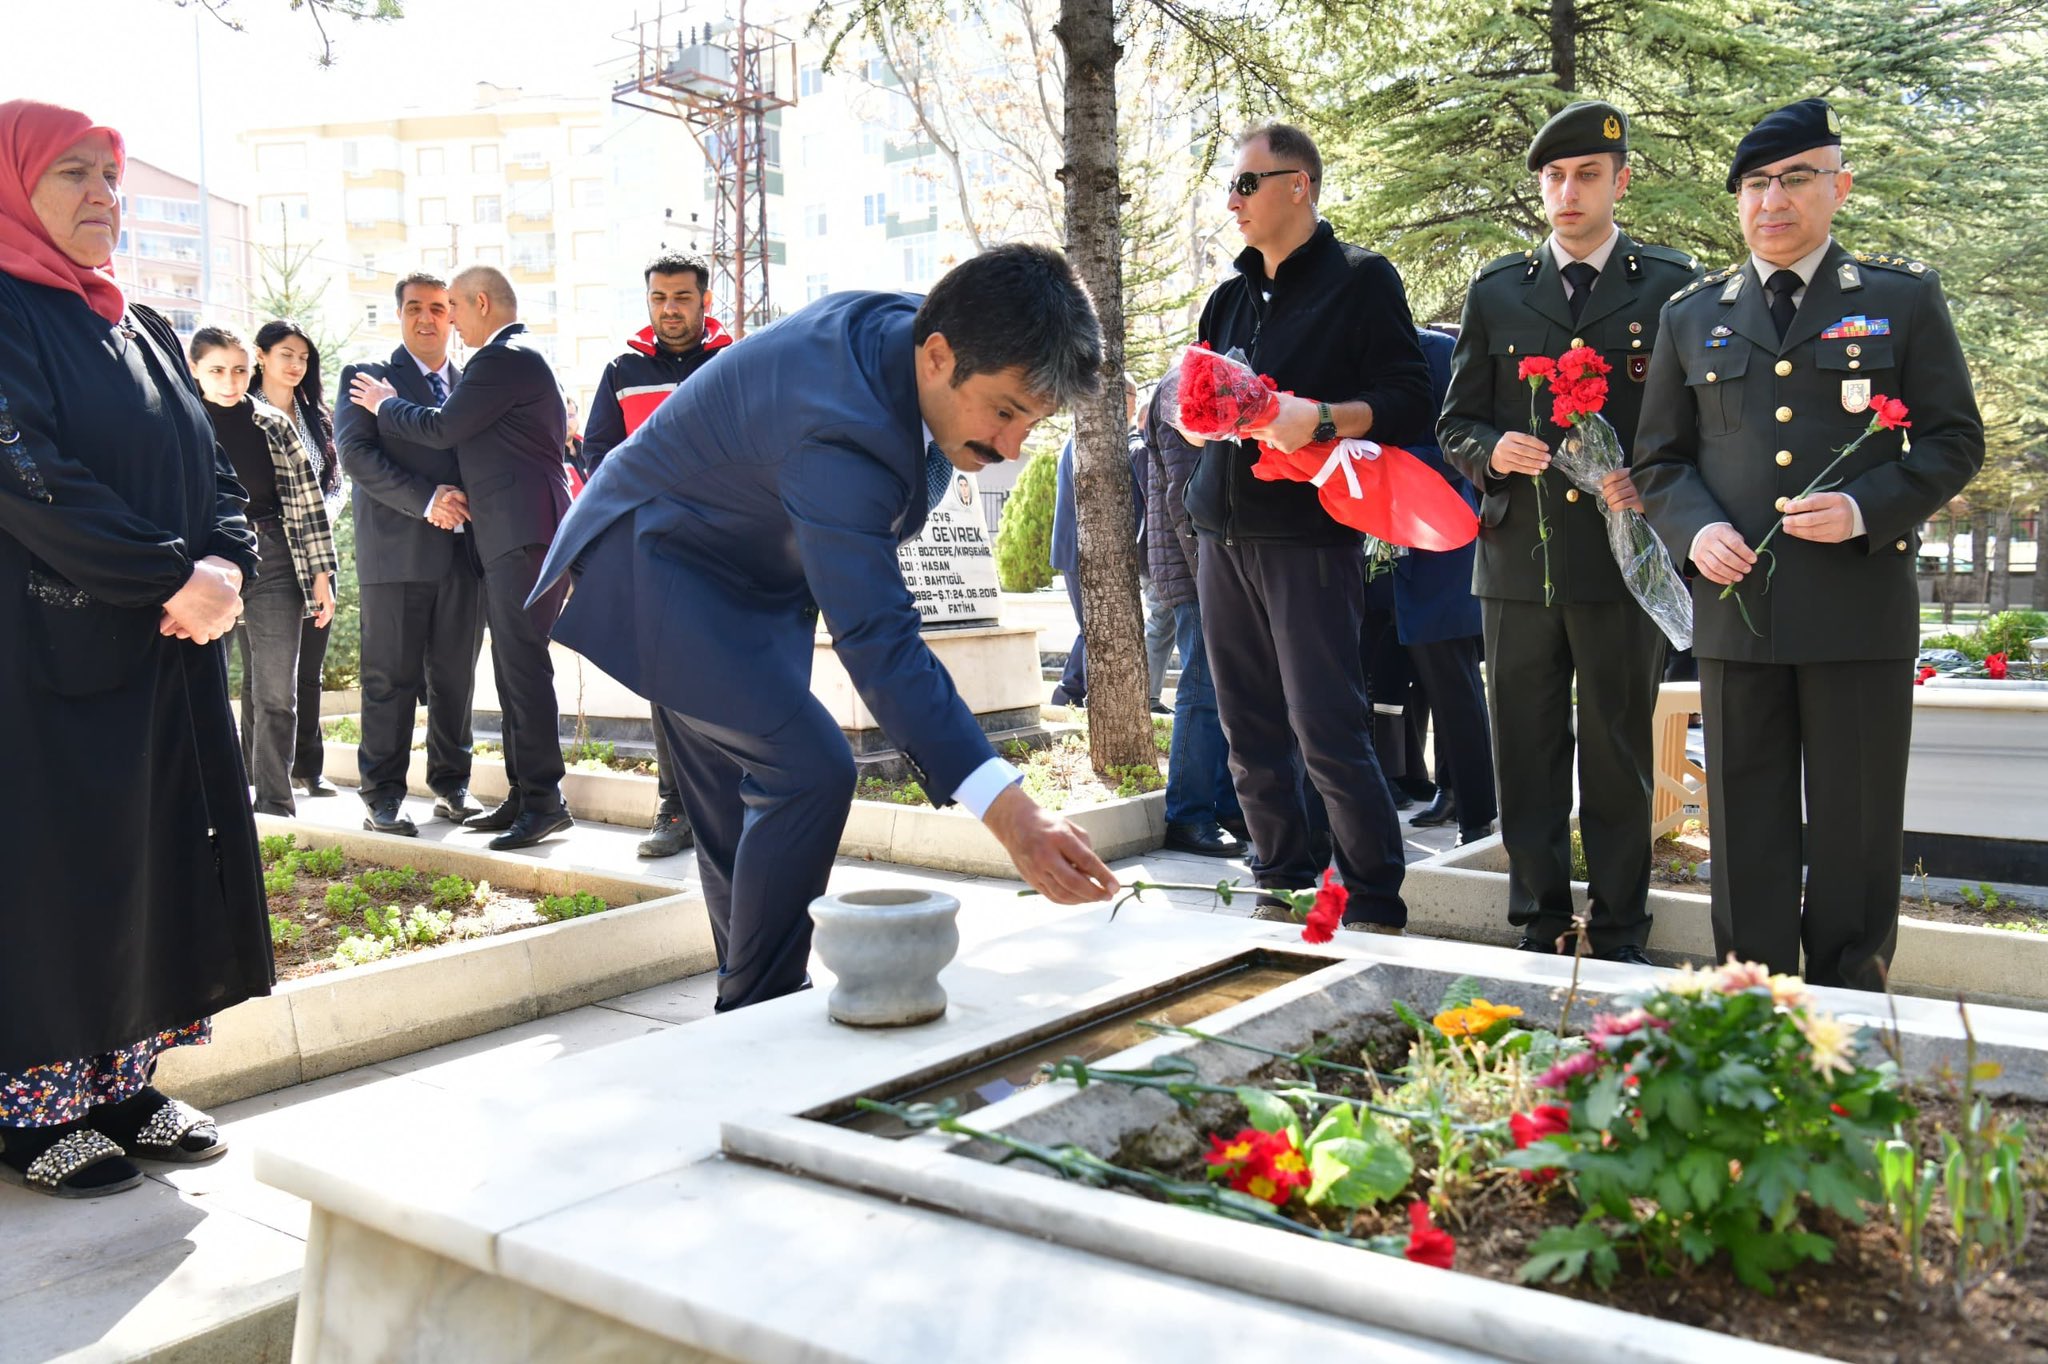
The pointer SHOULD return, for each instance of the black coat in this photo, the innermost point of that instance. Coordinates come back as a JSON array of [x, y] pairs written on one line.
[[508, 426], [1517, 308], [134, 900], [394, 480], [1733, 422]]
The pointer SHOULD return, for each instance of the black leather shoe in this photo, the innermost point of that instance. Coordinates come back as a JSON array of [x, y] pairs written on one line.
[[1159, 707], [1531, 943], [1629, 954], [500, 818], [456, 806], [318, 786], [669, 836], [1437, 813], [1473, 835], [1236, 829], [1203, 840], [386, 817], [530, 828]]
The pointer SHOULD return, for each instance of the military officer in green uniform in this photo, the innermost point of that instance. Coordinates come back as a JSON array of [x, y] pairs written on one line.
[[1764, 372], [1588, 283]]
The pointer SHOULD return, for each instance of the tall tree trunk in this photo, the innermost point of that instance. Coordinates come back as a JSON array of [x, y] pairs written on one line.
[[2040, 559], [1980, 565], [1564, 43], [1946, 590], [2000, 595], [1119, 717]]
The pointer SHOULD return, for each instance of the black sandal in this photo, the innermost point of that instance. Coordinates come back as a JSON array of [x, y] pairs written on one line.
[[154, 1126], [72, 1161]]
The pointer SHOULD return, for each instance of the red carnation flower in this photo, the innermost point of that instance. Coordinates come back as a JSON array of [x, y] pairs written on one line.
[[1529, 1128], [1428, 1244], [1994, 665], [1327, 913], [1537, 367], [1921, 679], [1889, 412]]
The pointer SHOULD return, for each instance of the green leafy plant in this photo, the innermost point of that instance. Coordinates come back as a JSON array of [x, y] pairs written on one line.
[[343, 730], [386, 884], [321, 861], [347, 900], [601, 751], [418, 925], [359, 949], [1162, 733], [280, 879], [555, 908], [1024, 534], [283, 932], [272, 847], [1715, 1115], [1982, 896], [1137, 779], [2012, 633], [452, 892]]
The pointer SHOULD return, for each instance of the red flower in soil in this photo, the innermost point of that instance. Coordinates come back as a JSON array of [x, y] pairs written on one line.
[[1890, 413], [1565, 1071], [1536, 367], [1327, 913], [1994, 665], [1428, 1244], [1263, 1164], [1920, 679], [1529, 1128]]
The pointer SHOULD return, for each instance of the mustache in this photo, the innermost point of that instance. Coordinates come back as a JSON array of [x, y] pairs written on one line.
[[987, 454]]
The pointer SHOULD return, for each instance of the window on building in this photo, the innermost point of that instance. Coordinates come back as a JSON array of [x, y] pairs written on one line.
[[281, 158], [810, 80], [184, 321], [433, 213], [275, 209], [489, 208], [873, 138], [366, 266], [920, 259], [816, 287], [874, 209], [483, 159], [534, 251], [436, 259], [916, 189], [368, 205], [370, 314], [814, 220], [878, 69], [490, 255], [586, 194], [351, 154], [432, 161], [154, 209]]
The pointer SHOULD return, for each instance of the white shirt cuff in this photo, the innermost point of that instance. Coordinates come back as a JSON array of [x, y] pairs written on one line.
[[1856, 516], [984, 784], [1692, 553]]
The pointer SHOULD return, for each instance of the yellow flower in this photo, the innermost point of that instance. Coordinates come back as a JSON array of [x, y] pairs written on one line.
[[1258, 1186], [1829, 1038], [1789, 992], [1690, 981], [1474, 1019], [1290, 1161]]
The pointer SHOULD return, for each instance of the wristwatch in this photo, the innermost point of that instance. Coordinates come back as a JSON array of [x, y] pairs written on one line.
[[1326, 423]]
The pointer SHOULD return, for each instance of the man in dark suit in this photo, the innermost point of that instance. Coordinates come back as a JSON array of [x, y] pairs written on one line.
[[507, 424], [422, 607], [1766, 371], [775, 485], [1558, 618], [1437, 619]]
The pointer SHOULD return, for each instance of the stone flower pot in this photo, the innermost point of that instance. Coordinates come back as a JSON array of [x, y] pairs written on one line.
[[886, 948]]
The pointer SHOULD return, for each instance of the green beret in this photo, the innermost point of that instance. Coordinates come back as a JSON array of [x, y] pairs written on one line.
[[1580, 129]]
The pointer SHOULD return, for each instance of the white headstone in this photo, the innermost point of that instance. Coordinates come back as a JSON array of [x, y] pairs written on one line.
[[951, 566]]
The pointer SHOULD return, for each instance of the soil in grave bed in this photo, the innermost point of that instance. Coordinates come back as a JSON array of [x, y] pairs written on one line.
[[329, 911], [1676, 858], [1059, 776], [1854, 1309]]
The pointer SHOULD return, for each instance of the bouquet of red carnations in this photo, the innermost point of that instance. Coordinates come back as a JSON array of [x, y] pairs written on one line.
[[1379, 489]]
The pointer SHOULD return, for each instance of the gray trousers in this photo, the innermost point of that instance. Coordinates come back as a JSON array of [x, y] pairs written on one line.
[[273, 610]]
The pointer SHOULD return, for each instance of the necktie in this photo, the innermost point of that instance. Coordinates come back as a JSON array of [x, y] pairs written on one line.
[[1581, 277], [439, 387], [1782, 285], [938, 476]]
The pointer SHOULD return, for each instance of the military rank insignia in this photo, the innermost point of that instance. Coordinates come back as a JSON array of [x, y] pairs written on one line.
[[1638, 367], [1858, 325], [1719, 337]]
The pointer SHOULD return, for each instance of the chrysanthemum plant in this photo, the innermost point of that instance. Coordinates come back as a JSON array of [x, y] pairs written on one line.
[[1714, 1114]]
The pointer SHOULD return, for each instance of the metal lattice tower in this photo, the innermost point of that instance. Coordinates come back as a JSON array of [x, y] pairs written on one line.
[[721, 79]]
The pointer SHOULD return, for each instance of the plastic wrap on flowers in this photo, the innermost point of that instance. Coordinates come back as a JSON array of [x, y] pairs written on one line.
[[1589, 452], [1218, 396]]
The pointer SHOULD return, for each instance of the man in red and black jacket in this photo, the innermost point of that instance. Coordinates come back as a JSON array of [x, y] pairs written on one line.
[[1282, 586], [680, 338]]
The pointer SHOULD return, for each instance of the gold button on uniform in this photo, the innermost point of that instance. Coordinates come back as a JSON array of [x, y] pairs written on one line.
[[1852, 350], [1784, 414], [1784, 368], [1900, 546], [1780, 503], [1855, 364], [1571, 494], [1578, 340], [1784, 459], [1711, 376]]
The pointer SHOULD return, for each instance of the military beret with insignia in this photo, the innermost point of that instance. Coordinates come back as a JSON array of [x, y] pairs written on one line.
[[1795, 128], [1579, 129]]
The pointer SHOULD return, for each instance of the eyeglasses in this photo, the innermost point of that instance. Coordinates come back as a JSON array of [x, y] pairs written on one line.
[[1246, 185], [1791, 181]]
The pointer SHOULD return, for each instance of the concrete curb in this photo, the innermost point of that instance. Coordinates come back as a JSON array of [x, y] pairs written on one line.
[[329, 1023], [1463, 894], [914, 835]]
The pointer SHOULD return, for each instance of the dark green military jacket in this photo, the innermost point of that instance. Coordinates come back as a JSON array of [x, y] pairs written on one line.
[[1734, 420], [1517, 308]]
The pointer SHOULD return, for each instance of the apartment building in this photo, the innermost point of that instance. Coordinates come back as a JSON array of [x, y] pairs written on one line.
[[161, 261]]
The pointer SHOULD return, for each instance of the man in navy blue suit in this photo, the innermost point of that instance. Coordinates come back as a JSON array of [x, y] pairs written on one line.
[[775, 486]]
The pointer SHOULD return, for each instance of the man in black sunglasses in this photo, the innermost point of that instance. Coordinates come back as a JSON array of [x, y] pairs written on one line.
[[1281, 584]]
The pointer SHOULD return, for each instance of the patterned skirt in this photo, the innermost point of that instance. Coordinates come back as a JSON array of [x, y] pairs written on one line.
[[65, 1091]]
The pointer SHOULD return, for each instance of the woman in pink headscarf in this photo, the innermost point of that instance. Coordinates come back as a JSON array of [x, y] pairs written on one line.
[[133, 906]]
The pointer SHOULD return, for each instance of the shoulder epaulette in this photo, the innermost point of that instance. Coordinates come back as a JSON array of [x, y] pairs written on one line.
[[1521, 258], [1716, 277], [1667, 254], [1903, 264]]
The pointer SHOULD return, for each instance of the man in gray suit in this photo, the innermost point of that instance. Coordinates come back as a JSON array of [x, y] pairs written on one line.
[[421, 604]]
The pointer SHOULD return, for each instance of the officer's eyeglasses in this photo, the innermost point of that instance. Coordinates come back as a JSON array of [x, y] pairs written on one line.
[[1246, 185], [1791, 181]]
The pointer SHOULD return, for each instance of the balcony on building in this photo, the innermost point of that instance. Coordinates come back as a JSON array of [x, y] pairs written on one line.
[[376, 232], [899, 225]]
